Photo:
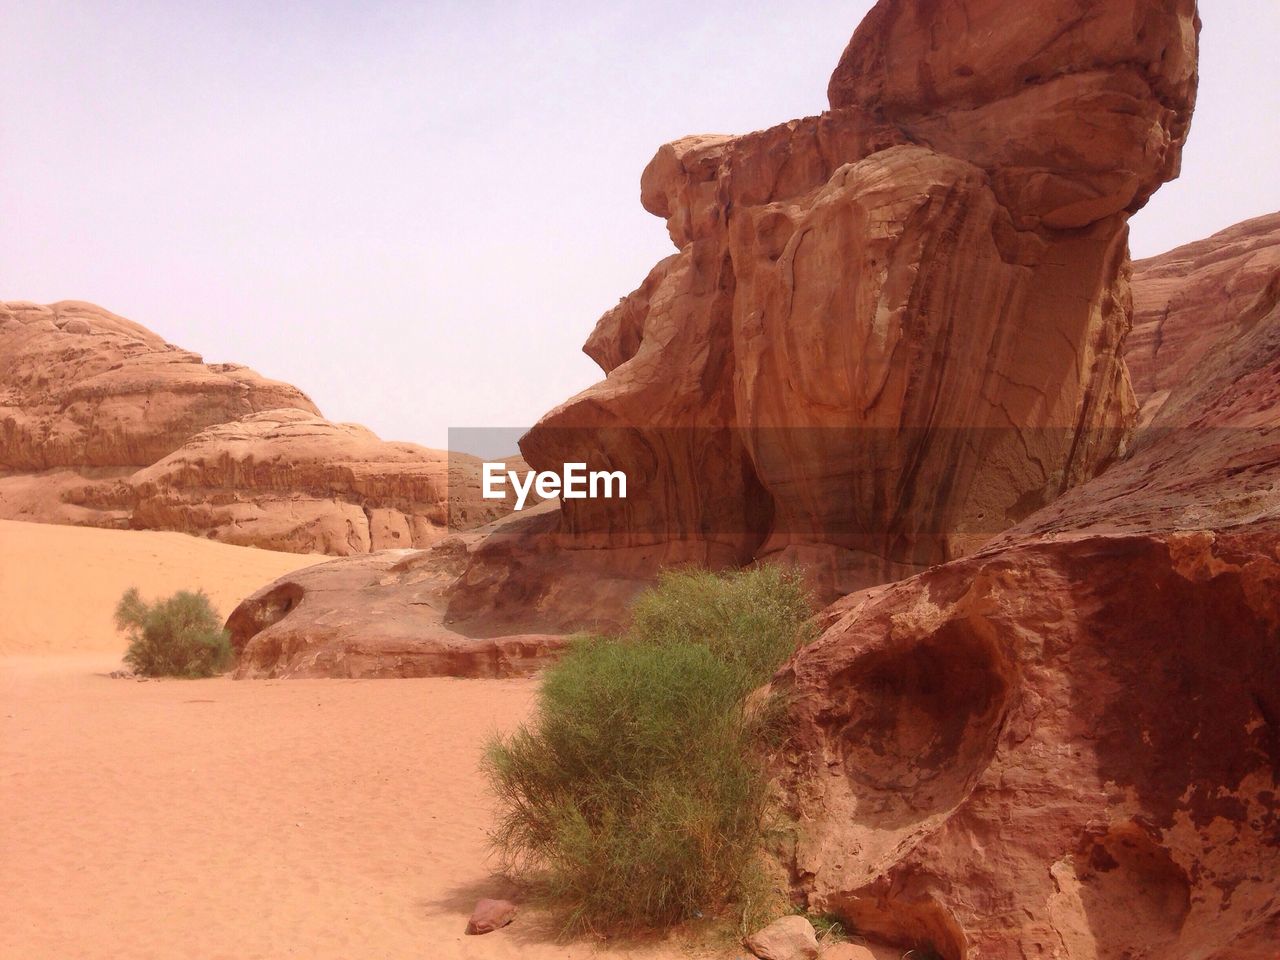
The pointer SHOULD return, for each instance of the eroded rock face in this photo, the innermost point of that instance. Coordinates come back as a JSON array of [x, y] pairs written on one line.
[[881, 340], [103, 423], [1078, 109], [1067, 749], [894, 329], [81, 387], [303, 484], [380, 615], [1068, 744], [1190, 299]]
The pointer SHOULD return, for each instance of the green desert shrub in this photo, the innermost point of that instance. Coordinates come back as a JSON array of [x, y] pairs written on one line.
[[637, 796], [180, 636], [750, 619]]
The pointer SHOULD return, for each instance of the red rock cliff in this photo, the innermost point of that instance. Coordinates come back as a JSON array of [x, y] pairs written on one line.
[[1068, 744], [890, 330]]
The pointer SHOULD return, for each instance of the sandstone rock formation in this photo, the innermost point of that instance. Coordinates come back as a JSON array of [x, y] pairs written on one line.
[[1068, 744], [890, 330], [1077, 109], [1188, 300], [306, 485], [396, 613], [104, 423], [381, 615], [84, 388], [890, 333]]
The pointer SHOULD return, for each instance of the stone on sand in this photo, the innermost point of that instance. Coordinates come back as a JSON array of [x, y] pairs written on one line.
[[490, 915], [787, 938]]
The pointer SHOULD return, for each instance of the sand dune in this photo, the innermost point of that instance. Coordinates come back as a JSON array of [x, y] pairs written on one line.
[[231, 819], [59, 585]]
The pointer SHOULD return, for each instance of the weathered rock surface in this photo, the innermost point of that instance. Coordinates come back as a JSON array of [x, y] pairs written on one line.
[[381, 615], [892, 330], [300, 483], [787, 938], [81, 387], [857, 951], [1078, 109], [1190, 299], [1068, 744], [889, 332], [105, 424], [490, 915]]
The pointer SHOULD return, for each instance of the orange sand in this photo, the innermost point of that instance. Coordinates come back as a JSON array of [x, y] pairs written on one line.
[[222, 819], [59, 585]]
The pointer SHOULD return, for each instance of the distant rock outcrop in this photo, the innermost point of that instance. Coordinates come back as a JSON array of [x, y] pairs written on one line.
[[83, 388], [104, 423], [303, 484]]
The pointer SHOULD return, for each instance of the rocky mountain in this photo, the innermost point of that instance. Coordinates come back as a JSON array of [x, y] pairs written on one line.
[[337, 634], [1048, 724], [104, 423], [86, 389], [900, 344]]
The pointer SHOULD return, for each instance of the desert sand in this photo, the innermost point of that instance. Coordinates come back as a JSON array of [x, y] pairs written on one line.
[[231, 819], [59, 585]]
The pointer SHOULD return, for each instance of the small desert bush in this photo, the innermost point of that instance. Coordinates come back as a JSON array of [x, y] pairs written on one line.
[[180, 636], [638, 797]]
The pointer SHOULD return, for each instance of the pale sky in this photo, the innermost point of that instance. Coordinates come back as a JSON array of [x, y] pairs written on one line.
[[416, 212]]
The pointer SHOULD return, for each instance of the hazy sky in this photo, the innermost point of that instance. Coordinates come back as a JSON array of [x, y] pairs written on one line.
[[416, 211]]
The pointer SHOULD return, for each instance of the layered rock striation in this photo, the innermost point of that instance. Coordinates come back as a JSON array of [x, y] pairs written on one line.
[[104, 423]]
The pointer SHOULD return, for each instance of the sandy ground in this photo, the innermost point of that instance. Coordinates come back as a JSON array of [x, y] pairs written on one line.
[[231, 819], [59, 585]]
